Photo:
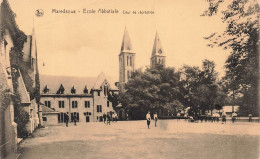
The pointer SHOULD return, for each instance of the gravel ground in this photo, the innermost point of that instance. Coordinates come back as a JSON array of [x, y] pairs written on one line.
[[132, 139]]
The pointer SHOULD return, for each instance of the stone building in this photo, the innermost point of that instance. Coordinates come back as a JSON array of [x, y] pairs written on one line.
[[31, 81], [86, 98], [49, 116], [10, 39]]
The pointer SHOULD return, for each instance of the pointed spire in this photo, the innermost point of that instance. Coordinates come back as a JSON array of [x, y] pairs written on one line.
[[157, 46], [126, 43]]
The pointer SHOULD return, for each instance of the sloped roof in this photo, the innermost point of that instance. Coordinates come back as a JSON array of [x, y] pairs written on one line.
[[47, 110], [126, 43], [157, 46], [53, 83], [24, 95], [104, 78]]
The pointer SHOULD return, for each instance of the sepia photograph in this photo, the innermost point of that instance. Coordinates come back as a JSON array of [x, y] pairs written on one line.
[[129, 79]]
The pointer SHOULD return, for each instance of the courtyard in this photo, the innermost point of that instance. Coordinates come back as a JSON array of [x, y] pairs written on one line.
[[131, 139]]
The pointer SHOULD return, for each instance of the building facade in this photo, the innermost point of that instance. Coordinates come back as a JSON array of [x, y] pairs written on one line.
[[85, 98], [14, 76]]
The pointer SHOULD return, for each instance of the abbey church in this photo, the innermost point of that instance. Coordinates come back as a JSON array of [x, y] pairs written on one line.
[[127, 58]]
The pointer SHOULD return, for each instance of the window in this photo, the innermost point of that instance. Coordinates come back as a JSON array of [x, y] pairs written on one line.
[[107, 103], [130, 60], [87, 104], [61, 104], [61, 117], [127, 60], [74, 104], [98, 93], [47, 103], [44, 118], [99, 108]]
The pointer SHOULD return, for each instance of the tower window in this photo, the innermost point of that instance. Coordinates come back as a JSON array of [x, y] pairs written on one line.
[[127, 60], [130, 60]]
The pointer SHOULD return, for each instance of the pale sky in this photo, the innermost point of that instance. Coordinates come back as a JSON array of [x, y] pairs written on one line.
[[86, 44]]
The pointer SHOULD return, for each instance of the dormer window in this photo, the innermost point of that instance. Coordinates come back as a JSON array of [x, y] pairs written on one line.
[[85, 91], [46, 89], [73, 90], [61, 90]]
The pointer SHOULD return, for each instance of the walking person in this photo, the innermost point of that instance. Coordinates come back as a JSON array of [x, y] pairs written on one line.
[[148, 119], [116, 118], [178, 116], [155, 116], [234, 117], [224, 117], [108, 119], [75, 119], [104, 118], [66, 119], [250, 117]]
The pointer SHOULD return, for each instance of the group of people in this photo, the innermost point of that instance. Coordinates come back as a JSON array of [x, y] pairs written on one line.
[[109, 116], [148, 119], [74, 119]]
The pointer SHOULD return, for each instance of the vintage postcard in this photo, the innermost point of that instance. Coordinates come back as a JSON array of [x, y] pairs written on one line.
[[164, 79]]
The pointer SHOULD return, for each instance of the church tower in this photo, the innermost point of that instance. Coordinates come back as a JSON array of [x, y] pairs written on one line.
[[158, 56], [126, 61]]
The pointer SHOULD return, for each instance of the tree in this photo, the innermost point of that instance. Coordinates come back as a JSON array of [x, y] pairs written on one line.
[[242, 37], [202, 89], [154, 90]]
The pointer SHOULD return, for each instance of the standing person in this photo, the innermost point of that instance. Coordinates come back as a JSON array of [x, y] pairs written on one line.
[[155, 116], [66, 119], [223, 117], [178, 116], [148, 118], [113, 117], [75, 119], [234, 117], [250, 117], [104, 118], [116, 118], [108, 119]]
